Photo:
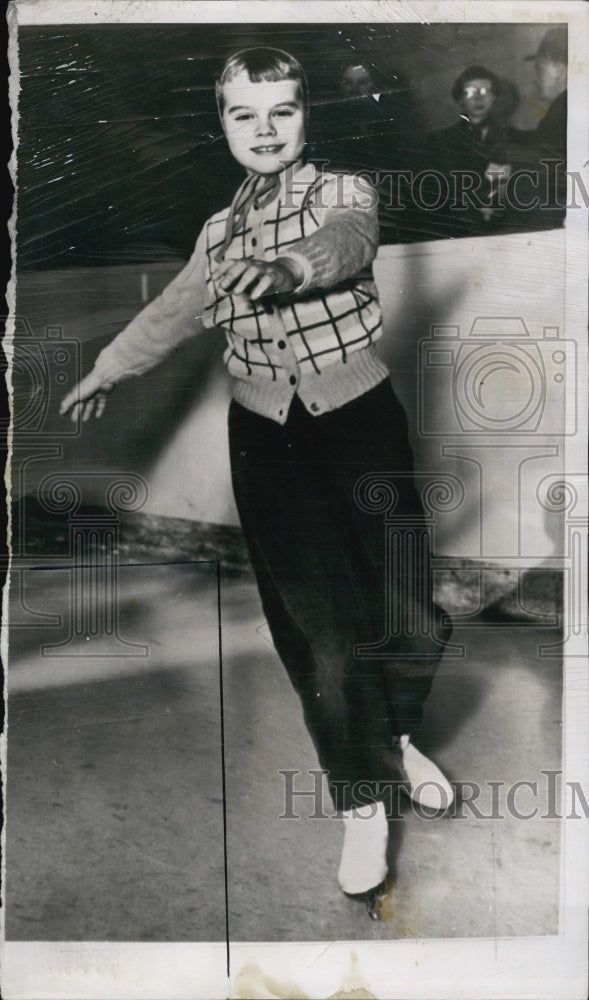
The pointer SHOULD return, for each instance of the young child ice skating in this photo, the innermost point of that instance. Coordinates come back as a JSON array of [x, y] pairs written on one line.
[[286, 271]]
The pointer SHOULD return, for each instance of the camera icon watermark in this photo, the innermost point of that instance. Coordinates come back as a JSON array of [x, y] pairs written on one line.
[[42, 369], [497, 379]]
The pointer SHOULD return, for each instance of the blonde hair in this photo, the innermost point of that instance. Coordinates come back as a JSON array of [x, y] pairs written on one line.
[[262, 65]]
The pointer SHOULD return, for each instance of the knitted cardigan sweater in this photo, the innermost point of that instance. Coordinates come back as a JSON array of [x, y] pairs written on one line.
[[317, 341]]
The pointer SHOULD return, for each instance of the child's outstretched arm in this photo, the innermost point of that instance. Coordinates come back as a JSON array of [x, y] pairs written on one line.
[[87, 398], [161, 326], [344, 246], [346, 205]]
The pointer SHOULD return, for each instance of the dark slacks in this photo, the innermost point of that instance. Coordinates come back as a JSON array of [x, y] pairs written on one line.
[[328, 578]]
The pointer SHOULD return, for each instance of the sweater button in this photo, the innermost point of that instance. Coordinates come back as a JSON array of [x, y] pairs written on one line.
[[281, 345], [293, 380], [315, 407], [268, 308], [254, 241]]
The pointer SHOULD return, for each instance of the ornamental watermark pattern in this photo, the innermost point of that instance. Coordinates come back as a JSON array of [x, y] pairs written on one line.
[[41, 370]]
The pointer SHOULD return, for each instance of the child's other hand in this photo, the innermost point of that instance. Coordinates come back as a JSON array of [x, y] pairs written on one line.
[[86, 398], [256, 278]]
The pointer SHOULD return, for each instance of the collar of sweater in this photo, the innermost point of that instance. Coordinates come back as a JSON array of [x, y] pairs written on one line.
[[290, 178]]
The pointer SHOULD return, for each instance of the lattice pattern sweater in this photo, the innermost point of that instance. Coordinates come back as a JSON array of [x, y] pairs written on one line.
[[317, 341]]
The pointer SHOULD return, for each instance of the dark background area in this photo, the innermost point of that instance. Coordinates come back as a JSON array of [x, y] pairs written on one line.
[[121, 157]]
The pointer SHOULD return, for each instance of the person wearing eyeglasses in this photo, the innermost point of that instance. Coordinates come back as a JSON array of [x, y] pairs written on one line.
[[464, 150]]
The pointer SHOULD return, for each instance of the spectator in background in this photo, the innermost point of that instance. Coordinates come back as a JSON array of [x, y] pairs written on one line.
[[357, 81], [463, 152], [536, 190], [372, 126], [551, 66], [367, 127]]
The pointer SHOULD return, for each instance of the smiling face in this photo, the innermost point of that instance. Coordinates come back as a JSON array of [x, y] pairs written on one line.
[[477, 99], [264, 123]]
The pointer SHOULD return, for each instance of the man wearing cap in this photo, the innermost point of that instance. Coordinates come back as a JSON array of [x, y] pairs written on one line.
[[550, 63], [542, 151]]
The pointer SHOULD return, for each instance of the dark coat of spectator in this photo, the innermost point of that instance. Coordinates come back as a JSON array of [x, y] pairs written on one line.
[[538, 195], [467, 146], [462, 152]]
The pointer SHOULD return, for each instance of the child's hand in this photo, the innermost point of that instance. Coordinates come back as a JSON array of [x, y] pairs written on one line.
[[86, 398], [255, 278]]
